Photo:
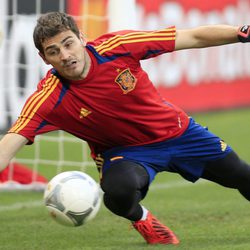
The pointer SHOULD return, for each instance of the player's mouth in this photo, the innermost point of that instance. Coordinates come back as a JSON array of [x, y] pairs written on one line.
[[70, 64]]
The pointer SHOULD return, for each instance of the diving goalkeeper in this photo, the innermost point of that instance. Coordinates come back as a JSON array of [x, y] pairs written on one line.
[[98, 92]]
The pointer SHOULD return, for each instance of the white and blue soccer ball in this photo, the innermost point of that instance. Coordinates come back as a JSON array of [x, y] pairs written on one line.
[[72, 198]]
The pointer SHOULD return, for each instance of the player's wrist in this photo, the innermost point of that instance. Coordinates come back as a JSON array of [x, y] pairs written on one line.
[[244, 33]]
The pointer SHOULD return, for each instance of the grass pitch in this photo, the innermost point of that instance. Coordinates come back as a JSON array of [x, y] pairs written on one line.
[[204, 215]]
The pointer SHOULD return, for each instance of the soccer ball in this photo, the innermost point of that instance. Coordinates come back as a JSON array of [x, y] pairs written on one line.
[[72, 198]]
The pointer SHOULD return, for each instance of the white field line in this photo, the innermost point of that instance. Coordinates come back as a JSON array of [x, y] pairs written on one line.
[[176, 184], [21, 205], [153, 187]]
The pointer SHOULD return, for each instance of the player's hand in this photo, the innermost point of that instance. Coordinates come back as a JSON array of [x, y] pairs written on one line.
[[99, 161], [244, 33]]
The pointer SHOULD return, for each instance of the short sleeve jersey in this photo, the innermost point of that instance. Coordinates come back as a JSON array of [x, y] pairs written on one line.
[[116, 104]]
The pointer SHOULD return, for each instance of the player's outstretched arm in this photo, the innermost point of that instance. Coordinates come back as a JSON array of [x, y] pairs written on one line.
[[211, 35], [9, 146]]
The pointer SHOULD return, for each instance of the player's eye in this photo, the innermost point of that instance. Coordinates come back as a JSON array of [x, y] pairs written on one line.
[[52, 52], [68, 44]]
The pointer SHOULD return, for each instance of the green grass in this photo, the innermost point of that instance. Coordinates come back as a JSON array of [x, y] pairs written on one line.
[[203, 215]]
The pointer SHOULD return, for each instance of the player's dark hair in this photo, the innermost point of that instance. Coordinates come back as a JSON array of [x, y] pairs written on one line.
[[51, 24]]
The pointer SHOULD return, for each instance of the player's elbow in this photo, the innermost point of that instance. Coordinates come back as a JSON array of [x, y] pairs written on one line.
[[190, 39]]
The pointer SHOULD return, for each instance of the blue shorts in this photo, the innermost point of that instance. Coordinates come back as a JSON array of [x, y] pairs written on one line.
[[186, 155]]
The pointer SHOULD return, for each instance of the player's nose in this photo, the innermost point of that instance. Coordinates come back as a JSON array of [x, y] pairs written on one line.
[[64, 55]]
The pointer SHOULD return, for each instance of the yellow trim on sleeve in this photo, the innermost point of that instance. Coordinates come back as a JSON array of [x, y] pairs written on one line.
[[34, 104]]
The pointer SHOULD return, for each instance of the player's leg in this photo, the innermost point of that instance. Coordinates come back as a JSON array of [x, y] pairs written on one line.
[[231, 172], [125, 184]]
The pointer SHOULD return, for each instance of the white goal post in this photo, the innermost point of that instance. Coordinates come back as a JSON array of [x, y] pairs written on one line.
[[21, 69]]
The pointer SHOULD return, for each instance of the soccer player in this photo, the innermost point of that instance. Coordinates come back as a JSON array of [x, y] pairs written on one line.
[[98, 92]]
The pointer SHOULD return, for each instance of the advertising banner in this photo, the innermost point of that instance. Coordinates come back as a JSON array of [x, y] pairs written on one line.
[[93, 17], [199, 79]]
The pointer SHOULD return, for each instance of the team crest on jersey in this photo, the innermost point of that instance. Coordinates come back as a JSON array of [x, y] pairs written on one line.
[[126, 80]]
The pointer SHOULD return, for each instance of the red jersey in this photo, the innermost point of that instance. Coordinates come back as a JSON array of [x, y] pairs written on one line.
[[115, 105]]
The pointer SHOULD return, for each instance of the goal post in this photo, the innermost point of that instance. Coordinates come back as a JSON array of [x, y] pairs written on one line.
[[21, 69], [51, 154]]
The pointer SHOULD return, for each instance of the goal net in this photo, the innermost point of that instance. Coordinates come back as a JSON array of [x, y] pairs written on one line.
[[21, 69]]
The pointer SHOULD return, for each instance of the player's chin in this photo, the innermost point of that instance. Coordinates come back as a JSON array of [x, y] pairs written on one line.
[[72, 75]]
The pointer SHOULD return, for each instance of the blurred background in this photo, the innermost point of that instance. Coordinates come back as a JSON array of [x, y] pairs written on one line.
[[196, 80]]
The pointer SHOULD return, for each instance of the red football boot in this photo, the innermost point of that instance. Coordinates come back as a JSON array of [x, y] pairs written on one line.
[[154, 232]]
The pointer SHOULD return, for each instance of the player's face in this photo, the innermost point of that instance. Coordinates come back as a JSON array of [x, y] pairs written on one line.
[[67, 54]]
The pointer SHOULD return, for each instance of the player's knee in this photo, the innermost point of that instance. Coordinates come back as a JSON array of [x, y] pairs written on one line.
[[119, 180]]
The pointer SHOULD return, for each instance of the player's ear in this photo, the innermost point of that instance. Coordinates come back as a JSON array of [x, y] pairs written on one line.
[[43, 57]]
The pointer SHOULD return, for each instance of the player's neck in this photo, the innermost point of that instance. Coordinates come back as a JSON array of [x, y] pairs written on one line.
[[86, 66]]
